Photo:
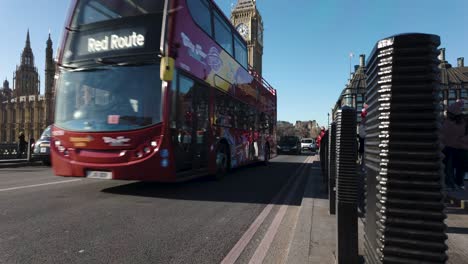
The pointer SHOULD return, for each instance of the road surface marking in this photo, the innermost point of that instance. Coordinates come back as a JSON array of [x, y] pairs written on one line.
[[262, 249], [236, 251], [36, 185]]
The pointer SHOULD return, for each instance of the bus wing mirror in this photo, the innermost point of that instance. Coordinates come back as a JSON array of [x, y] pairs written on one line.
[[167, 69]]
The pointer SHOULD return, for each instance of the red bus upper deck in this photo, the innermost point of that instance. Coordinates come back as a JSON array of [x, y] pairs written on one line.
[[157, 91]]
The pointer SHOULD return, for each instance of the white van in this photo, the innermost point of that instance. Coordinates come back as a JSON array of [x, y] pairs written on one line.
[[308, 144]]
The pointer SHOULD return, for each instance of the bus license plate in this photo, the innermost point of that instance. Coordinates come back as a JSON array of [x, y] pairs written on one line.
[[103, 175]]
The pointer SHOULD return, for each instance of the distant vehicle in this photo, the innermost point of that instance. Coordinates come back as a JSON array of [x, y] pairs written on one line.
[[308, 144], [41, 148], [157, 91], [289, 144]]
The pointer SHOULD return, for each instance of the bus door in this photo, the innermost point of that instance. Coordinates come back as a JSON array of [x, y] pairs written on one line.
[[191, 126], [201, 124]]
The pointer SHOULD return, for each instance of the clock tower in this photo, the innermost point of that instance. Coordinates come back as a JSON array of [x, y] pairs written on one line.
[[248, 22]]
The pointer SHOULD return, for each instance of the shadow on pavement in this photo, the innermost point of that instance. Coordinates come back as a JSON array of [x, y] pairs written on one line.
[[251, 184], [457, 230]]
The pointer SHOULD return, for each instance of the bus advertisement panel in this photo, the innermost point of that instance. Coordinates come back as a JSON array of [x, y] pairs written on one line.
[[157, 91]]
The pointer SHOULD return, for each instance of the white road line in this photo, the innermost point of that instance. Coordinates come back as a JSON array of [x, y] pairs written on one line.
[[36, 185], [236, 251], [262, 249]]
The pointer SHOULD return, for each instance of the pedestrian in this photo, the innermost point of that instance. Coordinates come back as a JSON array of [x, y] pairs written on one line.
[[21, 144], [319, 137], [455, 142]]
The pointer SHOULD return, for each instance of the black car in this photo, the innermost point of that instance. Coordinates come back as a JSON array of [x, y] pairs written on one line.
[[41, 148], [290, 145]]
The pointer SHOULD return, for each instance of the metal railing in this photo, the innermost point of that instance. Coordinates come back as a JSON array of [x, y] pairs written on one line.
[[9, 152]]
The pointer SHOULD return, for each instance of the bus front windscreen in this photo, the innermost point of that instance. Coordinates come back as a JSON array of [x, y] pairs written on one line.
[[92, 11], [111, 98]]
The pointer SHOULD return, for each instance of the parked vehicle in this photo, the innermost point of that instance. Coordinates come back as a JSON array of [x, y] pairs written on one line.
[[308, 144], [41, 148], [290, 145]]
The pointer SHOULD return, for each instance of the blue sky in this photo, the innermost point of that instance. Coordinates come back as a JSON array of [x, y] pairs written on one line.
[[307, 43]]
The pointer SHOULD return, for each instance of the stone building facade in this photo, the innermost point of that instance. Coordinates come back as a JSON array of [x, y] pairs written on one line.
[[307, 129], [454, 81], [22, 107], [454, 85], [354, 93], [248, 21]]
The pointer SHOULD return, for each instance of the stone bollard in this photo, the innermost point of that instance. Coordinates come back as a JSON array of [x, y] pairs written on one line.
[[346, 187], [332, 168], [404, 181]]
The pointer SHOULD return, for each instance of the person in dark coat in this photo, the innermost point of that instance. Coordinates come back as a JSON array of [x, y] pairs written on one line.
[[455, 142], [21, 144]]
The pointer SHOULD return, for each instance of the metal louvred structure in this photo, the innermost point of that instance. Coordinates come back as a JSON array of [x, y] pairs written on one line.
[[404, 204]]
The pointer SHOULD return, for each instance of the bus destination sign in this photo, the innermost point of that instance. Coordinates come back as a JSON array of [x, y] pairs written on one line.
[[115, 42]]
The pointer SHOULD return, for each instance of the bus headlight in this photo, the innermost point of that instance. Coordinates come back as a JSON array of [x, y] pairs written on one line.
[[146, 149], [61, 148]]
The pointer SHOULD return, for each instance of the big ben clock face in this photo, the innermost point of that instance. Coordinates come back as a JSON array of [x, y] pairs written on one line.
[[243, 29]]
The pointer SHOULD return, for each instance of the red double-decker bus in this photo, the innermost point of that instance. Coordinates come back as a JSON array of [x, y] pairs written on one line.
[[157, 91]]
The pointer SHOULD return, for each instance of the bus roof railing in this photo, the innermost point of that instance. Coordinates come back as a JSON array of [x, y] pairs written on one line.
[[261, 80]]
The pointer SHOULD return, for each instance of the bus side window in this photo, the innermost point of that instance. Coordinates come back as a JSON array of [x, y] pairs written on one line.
[[222, 110], [243, 116], [184, 103], [200, 11], [271, 125], [252, 119], [265, 122]]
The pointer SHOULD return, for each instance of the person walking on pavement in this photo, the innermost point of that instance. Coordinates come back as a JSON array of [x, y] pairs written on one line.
[[455, 142], [21, 144], [319, 137]]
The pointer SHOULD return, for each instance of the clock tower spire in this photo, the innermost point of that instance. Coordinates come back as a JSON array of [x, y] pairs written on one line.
[[248, 21]]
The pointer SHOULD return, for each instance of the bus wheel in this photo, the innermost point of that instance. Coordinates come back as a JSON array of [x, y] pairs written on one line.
[[266, 155], [222, 161]]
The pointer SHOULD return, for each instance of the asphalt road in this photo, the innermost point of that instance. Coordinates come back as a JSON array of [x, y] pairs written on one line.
[[245, 217]]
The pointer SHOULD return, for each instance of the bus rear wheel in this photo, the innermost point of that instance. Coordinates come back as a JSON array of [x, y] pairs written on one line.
[[222, 161]]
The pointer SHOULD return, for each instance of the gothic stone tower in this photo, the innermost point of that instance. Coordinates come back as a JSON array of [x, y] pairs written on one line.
[[24, 109], [248, 21], [49, 82], [26, 77]]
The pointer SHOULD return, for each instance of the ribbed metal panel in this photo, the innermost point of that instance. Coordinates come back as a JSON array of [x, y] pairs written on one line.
[[332, 167], [346, 150], [404, 199], [346, 187]]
